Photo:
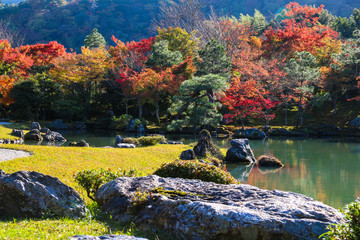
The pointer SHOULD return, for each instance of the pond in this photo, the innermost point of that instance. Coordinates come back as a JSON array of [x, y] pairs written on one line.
[[326, 170]]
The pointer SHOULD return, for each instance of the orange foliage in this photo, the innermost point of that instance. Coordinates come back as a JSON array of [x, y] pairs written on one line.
[[6, 84]]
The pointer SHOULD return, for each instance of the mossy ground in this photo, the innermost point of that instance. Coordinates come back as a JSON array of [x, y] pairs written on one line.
[[63, 163]]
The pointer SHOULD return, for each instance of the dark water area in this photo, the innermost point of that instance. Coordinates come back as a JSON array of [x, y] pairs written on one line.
[[324, 169]]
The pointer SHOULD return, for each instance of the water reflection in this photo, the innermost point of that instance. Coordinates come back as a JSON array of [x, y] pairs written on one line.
[[328, 171]]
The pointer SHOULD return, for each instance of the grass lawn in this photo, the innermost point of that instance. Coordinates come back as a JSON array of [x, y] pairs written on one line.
[[63, 163]]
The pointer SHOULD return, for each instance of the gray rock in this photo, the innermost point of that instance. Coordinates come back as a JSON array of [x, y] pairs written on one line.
[[106, 237], [54, 136], [188, 155], [174, 143], [125, 145], [32, 194], [119, 139], [59, 124], [205, 146], [34, 134], [82, 143], [46, 131], [35, 125], [355, 122], [269, 161], [250, 133], [215, 211], [240, 152], [18, 133]]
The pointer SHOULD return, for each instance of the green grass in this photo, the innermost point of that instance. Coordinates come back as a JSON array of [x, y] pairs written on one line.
[[63, 163]]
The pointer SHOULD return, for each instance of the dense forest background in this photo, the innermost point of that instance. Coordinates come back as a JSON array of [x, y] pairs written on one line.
[[68, 22]]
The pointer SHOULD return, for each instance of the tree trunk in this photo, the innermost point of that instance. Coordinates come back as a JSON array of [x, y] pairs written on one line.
[[286, 111], [127, 106], [335, 104], [157, 112], [242, 123]]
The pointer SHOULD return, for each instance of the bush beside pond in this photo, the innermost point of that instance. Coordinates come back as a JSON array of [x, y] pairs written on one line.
[[195, 170]]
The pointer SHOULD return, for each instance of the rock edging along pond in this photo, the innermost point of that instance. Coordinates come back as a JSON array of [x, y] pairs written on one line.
[[192, 209]]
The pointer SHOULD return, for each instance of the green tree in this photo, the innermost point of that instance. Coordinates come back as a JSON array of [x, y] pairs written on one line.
[[213, 60], [94, 39], [326, 18], [179, 40], [257, 22], [195, 105], [162, 57], [34, 97], [303, 73], [345, 26]]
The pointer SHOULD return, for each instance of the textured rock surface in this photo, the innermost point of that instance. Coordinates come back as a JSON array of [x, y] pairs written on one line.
[[187, 155], [240, 152], [32, 194], [35, 125], [125, 145], [106, 237], [216, 211], [18, 133], [54, 136], [119, 139], [206, 147], [269, 161], [34, 135]]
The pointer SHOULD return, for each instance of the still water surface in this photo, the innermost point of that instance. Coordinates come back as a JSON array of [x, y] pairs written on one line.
[[326, 170]]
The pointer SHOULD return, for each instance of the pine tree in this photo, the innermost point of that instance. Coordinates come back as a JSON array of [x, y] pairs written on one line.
[[213, 60], [94, 40], [162, 57]]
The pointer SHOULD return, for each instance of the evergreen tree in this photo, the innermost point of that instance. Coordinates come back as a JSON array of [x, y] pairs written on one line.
[[213, 60], [162, 57], [94, 40], [195, 105]]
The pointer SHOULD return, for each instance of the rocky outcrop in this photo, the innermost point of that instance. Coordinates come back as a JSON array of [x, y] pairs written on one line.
[[269, 161], [32, 194], [192, 209], [35, 125], [125, 145], [240, 152], [18, 133], [250, 133], [82, 143], [106, 237], [54, 136], [205, 146], [119, 139], [188, 155], [34, 135]]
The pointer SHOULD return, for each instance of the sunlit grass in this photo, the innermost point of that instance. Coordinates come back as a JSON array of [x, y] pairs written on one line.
[[63, 163]]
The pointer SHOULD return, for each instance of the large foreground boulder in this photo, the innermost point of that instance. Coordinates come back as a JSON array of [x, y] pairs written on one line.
[[106, 237], [240, 152], [32, 194], [192, 209]]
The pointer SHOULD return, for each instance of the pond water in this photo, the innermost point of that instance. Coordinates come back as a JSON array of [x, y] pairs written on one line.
[[326, 170]]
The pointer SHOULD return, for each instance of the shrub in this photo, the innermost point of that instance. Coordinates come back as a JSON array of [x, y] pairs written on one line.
[[131, 141], [195, 170], [151, 140], [121, 122], [92, 180], [349, 230]]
